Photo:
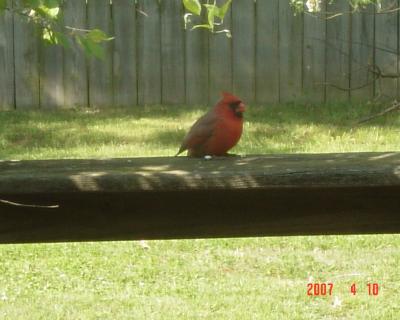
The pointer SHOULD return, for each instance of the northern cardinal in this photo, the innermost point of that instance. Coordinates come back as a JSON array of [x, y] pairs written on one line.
[[217, 131]]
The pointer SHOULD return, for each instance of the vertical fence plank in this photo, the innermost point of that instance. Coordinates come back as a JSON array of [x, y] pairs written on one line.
[[386, 49], [75, 66], [267, 52], [220, 60], [149, 52], [51, 76], [26, 61], [362, 54], [6, 60], [243, 46], [172, 52], [314, 65], [124, 59], [291, 51], [338, 51], [100, 70], [196, 53]]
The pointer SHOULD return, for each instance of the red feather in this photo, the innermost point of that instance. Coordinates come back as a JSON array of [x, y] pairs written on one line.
[[217, 131]]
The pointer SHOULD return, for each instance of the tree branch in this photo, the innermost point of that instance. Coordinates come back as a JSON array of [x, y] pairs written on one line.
[[395, 107]]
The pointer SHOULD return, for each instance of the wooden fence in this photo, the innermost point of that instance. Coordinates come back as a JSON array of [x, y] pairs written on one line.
[[274, 56]]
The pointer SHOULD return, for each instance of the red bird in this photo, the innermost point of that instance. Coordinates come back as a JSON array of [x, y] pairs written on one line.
[[217, 131]]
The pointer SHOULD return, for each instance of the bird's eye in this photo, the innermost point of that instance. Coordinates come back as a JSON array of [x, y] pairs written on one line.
[[234, 105]]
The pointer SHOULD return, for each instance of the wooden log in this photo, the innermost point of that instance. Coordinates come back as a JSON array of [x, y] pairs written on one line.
[[163, 198]]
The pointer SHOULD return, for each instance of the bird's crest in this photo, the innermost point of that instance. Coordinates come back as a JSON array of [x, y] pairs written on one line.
[[229, 97]]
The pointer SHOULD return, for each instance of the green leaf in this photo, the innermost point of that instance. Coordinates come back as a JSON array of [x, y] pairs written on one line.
[[223, 9], [47, 35], [192, 6], [212, 13], [97, 36], [32, 3], [91, 42], [3, 5], [46, 12], [51, 3], [61, 38], [90, 47], [54, 37]]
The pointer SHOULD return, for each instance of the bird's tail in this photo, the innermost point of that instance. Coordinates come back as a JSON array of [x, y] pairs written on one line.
[[181, 149]]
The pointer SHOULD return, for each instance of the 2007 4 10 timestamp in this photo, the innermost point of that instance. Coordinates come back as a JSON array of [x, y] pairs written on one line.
[[326, 289]]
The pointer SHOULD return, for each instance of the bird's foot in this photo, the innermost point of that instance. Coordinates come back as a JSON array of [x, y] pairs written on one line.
[[221, 157]]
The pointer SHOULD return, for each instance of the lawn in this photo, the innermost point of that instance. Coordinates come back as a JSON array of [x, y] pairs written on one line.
[[245, 278]]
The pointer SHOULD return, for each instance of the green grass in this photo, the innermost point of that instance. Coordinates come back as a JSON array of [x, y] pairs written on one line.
[[158, 131], [245, 278]]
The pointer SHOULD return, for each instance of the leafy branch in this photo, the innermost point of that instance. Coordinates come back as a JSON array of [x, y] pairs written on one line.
[[46, 15], [214, 15]]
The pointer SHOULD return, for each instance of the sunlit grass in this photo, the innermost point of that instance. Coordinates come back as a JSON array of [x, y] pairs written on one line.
[[247, 278]]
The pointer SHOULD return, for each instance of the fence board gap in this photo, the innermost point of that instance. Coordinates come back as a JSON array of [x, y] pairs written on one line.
[[291, 51], [220, 60], [314, 64], [26, 61], [196, 60], [386, 49], [51, 76], [267, 52], [172, 52], [338, 51], [124, 54], [362, 57], [243, 49], [149, 52], [100, 70], [75, 63], [7, 97]]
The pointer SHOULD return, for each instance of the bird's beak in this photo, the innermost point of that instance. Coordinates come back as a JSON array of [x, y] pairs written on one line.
[[241, 107]]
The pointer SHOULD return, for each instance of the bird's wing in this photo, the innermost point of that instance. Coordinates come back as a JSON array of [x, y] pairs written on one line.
[[200, 132]]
